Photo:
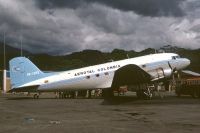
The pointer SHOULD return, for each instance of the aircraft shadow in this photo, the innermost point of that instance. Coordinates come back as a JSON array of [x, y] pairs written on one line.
[[172, 100]]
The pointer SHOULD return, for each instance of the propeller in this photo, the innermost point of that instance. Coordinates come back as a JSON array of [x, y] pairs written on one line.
[[174, 71]]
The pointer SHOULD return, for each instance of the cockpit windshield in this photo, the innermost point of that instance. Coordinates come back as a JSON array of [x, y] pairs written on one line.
[[175, 57]]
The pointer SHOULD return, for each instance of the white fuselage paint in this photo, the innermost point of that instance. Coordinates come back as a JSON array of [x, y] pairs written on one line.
[[101, 76]]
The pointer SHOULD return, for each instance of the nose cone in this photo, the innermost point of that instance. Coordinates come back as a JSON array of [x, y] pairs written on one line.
[[187, 62]]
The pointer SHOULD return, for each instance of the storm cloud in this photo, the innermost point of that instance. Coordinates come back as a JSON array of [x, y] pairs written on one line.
[[61, 27], [142, 7]]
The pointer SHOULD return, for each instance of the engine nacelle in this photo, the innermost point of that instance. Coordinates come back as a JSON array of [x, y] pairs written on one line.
[[167, 72]]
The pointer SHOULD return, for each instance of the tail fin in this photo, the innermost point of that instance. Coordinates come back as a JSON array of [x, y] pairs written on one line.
[[22, 71]]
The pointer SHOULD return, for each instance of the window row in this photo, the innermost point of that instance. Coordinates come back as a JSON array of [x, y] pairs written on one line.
[[97, 75]]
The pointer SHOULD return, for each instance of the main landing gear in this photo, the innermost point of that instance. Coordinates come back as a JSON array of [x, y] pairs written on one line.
[[145, 92]]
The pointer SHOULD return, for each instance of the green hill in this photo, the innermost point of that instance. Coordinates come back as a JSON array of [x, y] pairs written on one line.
[[92, 57]]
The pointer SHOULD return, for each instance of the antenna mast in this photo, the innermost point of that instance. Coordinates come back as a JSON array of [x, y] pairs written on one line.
[[4, 51], [4, 58]]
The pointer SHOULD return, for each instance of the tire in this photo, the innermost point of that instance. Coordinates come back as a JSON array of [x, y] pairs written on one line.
[[141, 95], [194, 93], [107, 94], [35, 96], [178, 92], [138, 94]]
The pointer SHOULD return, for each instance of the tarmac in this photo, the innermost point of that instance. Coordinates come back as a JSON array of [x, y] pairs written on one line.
[[23, 114]]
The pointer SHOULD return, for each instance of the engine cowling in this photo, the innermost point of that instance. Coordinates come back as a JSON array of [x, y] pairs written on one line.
[[167, 72]]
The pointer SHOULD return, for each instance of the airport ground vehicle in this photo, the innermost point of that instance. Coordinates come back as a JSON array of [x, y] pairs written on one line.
[[189, 86]]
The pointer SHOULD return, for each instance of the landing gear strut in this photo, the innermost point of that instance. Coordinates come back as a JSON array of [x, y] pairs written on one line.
[[145, 92], [148, 93]]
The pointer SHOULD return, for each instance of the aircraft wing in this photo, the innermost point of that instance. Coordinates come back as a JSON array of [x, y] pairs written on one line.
[[190, 73], [130, 75]]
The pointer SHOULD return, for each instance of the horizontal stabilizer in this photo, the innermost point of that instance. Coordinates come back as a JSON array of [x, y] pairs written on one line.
[[25, 89]]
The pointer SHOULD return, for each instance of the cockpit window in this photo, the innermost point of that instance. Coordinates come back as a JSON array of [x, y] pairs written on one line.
[[175, 57]]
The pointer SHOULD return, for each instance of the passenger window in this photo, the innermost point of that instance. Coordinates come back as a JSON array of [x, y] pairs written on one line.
[[144, 66], [106, 73]]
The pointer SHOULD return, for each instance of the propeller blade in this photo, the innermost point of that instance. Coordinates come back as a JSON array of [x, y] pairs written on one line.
[[170, 66]]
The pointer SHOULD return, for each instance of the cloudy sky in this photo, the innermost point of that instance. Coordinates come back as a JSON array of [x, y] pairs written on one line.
[[63, 26]]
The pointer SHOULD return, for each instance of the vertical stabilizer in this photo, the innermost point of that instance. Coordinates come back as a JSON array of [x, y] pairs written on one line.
[[22, 71]]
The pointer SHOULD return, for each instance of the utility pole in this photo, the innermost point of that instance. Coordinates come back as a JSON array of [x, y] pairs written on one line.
[[21, 46], [4, 67]]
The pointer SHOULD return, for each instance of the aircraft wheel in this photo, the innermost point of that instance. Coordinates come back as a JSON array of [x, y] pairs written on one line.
[[198, 90], [178, 92], [139, 94], [107, 94], [194, 93], [35, 96]]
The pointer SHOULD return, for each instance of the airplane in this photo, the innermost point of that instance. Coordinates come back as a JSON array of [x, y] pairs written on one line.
[[27, 77]]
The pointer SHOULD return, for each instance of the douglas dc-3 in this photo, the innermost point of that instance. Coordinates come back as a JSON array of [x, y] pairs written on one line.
[[27, 77]]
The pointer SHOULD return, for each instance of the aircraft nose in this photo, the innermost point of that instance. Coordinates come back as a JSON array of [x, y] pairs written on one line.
[[187, 62]]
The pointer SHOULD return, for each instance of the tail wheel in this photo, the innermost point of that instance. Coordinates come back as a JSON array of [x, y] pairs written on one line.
[[36, 96]]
